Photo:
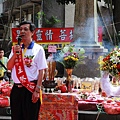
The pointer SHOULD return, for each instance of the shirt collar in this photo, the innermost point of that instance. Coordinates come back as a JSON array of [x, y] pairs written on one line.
[[30, 46]]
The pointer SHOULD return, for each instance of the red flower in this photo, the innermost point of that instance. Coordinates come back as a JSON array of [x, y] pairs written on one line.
[[118, 66], [106, 58]]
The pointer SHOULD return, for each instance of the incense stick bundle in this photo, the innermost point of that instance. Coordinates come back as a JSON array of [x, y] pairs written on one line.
[[53, 69], [48, 70]]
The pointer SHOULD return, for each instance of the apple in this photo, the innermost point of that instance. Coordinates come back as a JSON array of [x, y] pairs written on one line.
[[63, 88], [109, 101]]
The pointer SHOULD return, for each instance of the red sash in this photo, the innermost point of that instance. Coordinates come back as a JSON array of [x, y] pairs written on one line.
[[21, 74]]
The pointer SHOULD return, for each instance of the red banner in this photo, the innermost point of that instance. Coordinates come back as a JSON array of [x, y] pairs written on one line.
[[57, 36], [48, 35]]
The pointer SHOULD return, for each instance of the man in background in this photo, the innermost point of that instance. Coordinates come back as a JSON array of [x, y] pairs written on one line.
[[4, 61]]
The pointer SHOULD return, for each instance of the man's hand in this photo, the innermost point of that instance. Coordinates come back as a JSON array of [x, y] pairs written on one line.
[[35, 96], [17, 49]]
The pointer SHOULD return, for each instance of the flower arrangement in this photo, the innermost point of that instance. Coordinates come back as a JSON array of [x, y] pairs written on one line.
[[71, 56], [111, 62], [28, 60]]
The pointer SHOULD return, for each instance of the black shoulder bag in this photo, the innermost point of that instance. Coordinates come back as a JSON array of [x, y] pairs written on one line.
[[7, 74]]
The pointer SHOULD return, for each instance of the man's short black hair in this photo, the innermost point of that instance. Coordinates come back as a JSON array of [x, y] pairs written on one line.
[[1, 49], [32, 26]]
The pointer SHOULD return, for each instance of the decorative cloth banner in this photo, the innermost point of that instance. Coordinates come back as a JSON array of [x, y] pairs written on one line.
[[59, 106]]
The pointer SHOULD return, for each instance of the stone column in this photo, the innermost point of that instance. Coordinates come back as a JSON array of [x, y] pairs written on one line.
[[84, 22], [86, 36]]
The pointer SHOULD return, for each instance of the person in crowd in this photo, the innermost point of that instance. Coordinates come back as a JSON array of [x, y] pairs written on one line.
[[27, 62], [107, 86], [4, 61]]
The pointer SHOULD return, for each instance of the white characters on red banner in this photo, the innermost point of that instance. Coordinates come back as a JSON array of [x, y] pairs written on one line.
[[48, 34], [39, 34], [63, 35]]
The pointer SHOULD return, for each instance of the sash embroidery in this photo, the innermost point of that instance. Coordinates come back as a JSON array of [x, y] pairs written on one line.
[[21, 74]]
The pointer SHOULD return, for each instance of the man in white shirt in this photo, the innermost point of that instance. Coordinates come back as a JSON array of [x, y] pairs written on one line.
[[27, 63]]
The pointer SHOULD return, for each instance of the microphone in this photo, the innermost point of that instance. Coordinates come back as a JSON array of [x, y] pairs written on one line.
[[19, 39]]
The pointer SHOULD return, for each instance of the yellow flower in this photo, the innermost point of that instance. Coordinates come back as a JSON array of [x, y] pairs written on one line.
[[66, 58], [71, 55]]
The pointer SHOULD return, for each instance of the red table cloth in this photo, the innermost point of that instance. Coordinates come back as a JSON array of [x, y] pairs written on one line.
[[59, 106]]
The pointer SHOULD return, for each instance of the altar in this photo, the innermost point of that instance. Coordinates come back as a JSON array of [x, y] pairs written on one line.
[[75, 105], [64, 106]]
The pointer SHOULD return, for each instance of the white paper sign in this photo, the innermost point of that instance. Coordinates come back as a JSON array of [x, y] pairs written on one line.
[[52, 48]]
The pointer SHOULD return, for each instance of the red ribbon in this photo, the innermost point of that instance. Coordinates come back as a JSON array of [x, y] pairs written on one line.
[[21, 74]]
